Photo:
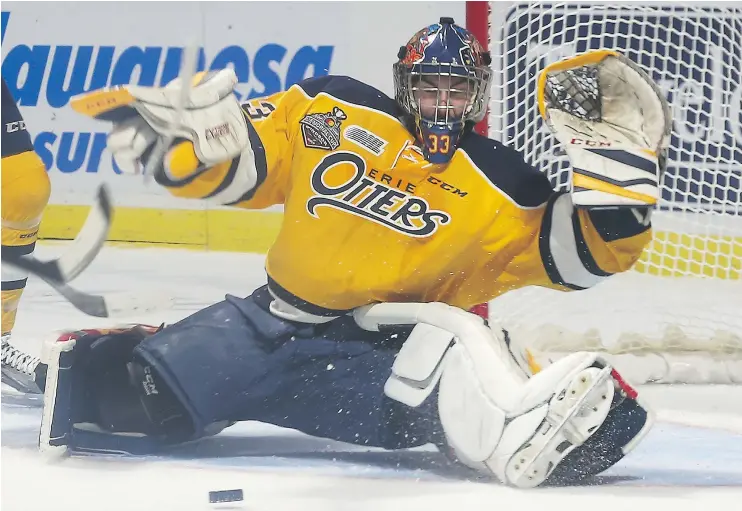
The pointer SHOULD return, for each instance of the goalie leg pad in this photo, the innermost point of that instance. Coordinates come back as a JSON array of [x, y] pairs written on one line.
[[577, 405], [90, 395], [56, 420]]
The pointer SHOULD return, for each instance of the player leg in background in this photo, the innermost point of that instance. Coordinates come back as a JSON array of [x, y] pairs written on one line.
[[25, 194]]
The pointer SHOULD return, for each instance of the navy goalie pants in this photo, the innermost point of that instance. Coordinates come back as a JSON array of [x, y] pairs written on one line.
[[234, 361]]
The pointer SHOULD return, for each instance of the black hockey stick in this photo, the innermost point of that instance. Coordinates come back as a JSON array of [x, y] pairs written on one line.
[[58, 272], [75, 259], [84, 249]]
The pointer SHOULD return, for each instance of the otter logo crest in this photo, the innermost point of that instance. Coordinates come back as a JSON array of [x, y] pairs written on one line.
[[373, 201]]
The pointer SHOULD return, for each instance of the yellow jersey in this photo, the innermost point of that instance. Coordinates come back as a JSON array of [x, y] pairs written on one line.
[[367, 219]]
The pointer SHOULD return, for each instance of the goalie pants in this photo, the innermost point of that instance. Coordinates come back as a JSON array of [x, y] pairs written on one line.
[[234, 361]]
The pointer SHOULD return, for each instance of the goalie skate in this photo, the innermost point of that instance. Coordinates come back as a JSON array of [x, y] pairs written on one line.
[[575, 414]]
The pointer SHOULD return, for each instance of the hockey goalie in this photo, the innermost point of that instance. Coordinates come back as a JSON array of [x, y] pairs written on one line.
[[398, 219]]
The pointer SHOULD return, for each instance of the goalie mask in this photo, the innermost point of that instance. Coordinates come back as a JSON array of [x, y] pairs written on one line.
[[442, 81]]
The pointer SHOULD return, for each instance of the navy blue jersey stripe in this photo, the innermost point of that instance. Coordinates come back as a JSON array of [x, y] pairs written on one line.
[[301, 304]]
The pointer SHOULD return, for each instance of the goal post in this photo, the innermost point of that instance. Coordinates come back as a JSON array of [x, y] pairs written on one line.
[[677, 315]]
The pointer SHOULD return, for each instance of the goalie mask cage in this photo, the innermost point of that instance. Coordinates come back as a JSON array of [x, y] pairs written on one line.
[[677, 315]]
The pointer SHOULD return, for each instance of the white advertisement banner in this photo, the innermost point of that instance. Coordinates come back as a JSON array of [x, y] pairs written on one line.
[[52, 51]]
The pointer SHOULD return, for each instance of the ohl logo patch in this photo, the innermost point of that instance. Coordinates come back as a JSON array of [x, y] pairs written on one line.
[[363, 197], [322, 130]]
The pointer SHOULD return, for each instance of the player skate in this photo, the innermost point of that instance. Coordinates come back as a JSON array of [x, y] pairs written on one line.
[[398, 218], [21, 371]]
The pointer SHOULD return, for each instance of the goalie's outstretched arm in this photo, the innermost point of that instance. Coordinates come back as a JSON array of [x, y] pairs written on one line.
[[614, 123], [579, 247], [224, 152], [555, 245]]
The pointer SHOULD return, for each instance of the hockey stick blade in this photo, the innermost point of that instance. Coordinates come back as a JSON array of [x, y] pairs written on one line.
[[84, 249], [57, 273], [110, 305]]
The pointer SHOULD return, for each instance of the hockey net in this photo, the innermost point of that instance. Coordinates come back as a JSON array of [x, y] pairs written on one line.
[[677, 315]]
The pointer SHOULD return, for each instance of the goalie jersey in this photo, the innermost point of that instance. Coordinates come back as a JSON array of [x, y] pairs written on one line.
[[367, 219]]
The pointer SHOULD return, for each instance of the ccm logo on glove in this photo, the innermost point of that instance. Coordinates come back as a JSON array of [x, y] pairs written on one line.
[[217, 131], [590, 143]]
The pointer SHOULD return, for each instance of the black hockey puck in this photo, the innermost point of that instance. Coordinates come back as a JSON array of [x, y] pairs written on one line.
[[218, 496]]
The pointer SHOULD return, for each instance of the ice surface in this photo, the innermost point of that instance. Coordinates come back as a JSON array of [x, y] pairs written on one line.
[[692, 459]]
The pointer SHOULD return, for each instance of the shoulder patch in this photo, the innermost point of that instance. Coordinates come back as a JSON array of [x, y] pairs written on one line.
[[351, 91], [322, 130], [507, 170]]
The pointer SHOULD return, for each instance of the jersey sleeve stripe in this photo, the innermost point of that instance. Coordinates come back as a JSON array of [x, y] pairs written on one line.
[[616, 225], [228, 179], [524, 198], [543, 244], [260, 163], [506, 171], [301, 304], [16, 251], [583, 250], [350, 91], [164, 179], [13, 285], [12, 277], [558, 244]]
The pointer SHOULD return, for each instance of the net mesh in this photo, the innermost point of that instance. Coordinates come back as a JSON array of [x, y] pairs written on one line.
[[576, 91], [685, 294]]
